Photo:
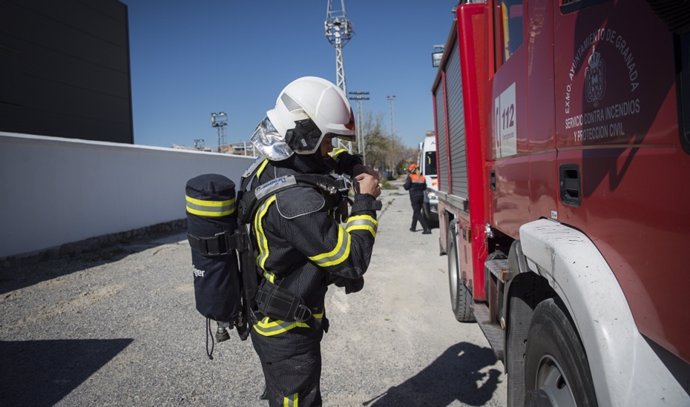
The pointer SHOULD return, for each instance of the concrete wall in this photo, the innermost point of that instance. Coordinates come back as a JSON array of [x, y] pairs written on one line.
[[55, 191]]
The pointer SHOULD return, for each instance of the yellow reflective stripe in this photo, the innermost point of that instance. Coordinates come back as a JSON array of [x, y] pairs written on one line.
[[362, 222], [339, 254], [262, 166], [336, 152], [261, 240], [291, 400], [266, 327], [210, 208], [271, 277]]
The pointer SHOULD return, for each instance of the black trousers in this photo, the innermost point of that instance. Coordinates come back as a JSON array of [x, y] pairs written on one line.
[[292, 379], [417, 204]]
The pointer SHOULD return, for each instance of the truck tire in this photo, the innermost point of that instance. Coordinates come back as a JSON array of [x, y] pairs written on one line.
[[518, 330], [556, 368], [460, 296]]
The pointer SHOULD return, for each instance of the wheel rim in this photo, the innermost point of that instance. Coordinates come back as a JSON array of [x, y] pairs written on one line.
[[552, 386], [452, 272]]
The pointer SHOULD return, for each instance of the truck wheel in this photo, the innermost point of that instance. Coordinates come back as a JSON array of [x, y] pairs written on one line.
[[556, 369], [519, 318], [460, 296]]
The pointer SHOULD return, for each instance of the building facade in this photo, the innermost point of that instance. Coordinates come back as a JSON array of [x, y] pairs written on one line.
[[64, 69]]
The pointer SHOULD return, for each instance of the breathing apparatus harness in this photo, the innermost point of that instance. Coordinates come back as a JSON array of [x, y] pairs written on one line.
[[258, 299], [271, 299]]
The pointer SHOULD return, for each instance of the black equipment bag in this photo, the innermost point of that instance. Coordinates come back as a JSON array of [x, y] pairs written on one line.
[[211, 223]]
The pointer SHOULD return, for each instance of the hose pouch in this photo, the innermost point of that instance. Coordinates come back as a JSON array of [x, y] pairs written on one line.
[[279, 303]]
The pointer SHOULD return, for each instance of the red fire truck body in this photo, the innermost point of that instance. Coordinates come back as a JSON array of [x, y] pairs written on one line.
[[563, 144]]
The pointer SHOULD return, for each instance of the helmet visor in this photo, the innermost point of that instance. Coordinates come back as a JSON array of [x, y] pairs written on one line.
[[269, 142]]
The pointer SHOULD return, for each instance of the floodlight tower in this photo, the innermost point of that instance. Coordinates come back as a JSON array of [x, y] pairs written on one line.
[[338, 31], [219, 120]]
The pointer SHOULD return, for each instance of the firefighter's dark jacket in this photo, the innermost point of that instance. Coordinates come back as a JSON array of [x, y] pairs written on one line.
[[303, 248], [416, 184]]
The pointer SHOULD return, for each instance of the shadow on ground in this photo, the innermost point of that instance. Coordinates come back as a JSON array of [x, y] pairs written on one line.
[[455, 375], [25, 272], [41, 373]]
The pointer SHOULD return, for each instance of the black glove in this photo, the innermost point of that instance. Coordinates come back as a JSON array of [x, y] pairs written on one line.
[[351, 286]]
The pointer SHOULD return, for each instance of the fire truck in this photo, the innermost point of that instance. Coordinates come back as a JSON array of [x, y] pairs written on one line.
[[563, 154]]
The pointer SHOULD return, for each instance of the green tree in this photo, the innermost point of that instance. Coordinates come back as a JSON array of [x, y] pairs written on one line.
[[381, 150]]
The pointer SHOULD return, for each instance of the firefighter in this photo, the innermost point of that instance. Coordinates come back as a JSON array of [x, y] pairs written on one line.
[[302, 248], [416, 184]]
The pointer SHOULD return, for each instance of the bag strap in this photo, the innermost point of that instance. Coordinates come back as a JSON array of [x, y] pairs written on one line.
[[220, 244]]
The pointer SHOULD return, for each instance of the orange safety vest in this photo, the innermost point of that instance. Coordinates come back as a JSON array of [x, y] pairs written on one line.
[[418, 179]]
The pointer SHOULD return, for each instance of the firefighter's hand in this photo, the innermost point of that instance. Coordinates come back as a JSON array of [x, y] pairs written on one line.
[[368, 184], [365, 169]]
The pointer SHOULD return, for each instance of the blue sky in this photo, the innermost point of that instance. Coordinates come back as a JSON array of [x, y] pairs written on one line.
[[191, 58]]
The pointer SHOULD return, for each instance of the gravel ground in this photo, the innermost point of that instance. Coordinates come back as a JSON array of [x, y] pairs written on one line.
[[119, 327]]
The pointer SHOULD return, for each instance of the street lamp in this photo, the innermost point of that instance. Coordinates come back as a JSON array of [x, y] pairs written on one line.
[[219, 121], [391, 100], [437, 55], [359, 97]]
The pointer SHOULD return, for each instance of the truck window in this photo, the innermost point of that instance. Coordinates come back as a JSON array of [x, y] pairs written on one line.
[[510, 14], [430, 163]]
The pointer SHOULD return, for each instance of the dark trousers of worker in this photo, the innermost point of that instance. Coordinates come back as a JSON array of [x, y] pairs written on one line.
[[291, 379], [417, 204]]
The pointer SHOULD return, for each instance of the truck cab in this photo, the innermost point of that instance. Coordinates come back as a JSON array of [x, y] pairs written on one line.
[[563, 139]]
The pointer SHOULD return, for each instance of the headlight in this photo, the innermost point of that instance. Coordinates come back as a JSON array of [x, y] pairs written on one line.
[[431, 195]]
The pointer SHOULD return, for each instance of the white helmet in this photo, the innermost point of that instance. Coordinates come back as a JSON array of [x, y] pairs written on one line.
[[306, 110]]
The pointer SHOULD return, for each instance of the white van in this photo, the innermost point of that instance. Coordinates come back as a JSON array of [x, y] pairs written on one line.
[[427, 163]]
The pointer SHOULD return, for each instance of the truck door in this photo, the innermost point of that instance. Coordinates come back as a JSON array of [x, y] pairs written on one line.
[[522, 126]]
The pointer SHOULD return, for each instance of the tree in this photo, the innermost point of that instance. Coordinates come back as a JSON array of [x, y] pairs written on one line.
[[382, 151]]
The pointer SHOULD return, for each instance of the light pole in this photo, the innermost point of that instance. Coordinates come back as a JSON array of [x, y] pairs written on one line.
[[338, 30], [391, 100], [219, 121], [359, 97]]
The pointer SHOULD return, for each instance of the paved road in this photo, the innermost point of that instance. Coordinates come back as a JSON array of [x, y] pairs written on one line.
[[118, 327]]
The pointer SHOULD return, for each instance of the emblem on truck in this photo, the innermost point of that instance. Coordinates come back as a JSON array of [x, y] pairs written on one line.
[[595, 78], [591, 115]]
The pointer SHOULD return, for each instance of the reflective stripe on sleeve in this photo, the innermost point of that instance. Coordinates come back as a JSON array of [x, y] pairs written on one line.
[[212, 209], [362, 222], [339, 254]]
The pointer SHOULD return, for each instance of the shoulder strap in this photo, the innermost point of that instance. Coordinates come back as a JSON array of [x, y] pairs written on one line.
[[249, 200]]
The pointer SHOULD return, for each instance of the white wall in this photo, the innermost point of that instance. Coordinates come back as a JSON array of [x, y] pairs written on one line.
[[55, 191]]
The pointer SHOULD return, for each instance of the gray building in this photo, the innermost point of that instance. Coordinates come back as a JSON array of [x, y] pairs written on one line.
[[64, 69]]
